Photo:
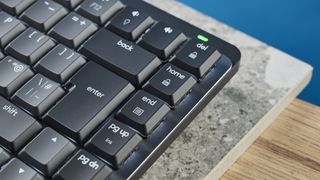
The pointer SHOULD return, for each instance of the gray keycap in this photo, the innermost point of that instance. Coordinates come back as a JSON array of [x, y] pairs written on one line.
[[4, 156], [17, 170], [12, 75], [60, 63], [1, 55], [17, 127], [43, 14], [15, 7], [29, 46], [73, 30], [69, 3], [47, 151], [10, 27], [38, 94], [99, 11]]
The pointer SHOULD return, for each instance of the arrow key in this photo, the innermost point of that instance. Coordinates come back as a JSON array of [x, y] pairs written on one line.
[[17, 170], [47, 151]]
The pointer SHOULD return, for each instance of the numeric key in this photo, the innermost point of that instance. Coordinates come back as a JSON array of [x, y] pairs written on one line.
[[10, 27], [73, 30], [43, 14], [162, 40], [70, 4], [29, 46], [99, 11], [17, 170], [12, 75], [114, 142], [38, 94], [47, 151]]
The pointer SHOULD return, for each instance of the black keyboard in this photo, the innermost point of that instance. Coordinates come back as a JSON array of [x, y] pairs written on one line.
[[98, 89]]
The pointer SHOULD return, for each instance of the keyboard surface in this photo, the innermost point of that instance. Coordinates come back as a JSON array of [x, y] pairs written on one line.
[[98, 89]]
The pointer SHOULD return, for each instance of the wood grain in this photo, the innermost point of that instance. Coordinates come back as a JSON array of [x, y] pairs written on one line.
[[288, 149]]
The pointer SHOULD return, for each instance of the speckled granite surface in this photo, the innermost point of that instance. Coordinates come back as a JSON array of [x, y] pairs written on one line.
[[266, 76]]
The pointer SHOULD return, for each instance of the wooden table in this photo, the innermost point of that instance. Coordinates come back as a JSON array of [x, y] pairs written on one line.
[[288, 149]]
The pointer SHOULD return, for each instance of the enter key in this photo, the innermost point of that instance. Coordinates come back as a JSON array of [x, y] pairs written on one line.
[[95, 93]]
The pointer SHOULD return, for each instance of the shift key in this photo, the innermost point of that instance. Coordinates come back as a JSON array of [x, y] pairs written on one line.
[[95, 94]]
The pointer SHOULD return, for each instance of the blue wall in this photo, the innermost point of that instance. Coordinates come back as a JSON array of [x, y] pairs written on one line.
[[290, 25]]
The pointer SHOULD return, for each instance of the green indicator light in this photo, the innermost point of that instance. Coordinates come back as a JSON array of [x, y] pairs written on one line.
[[202, 38]]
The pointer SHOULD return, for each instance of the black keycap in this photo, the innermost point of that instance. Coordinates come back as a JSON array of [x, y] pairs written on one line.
[[162, 40], [12, 75], [114, 142], [17, 170], [43, 14], [46, 151], [130, 23], [73, 30], [10, 27], [121, 56], [96, 93], [16, 126], [83, 166], [99, 11], [1, 55], [197, 57], [15, 7], [69, 3], [29, 46], [60, 63], [170, 84], [143, 112], [4, 156], [38, 95]]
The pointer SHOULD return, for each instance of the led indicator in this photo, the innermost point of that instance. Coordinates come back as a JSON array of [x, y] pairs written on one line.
[[202, 38]]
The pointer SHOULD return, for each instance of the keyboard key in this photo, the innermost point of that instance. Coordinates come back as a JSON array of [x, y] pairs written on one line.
[[47, 151], [12, 75], [73, 30], [197, 57], [43, 14], [17, 170], [1, 55], [130, 23], [83, 166], [60, 63], [96, 93], [99, 11], [38, 95], [15, 7], [121, 56], [10, 27], [70, 4], [16, 126], [170, 84], [4, 156], [143, 112], [114, 142], [29, 46], [162, 40]]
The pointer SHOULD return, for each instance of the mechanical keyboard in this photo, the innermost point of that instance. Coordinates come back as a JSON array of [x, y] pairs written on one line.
[[98, 89]]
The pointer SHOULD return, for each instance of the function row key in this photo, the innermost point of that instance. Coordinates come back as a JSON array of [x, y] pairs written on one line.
[[10, 27], [99, 11]]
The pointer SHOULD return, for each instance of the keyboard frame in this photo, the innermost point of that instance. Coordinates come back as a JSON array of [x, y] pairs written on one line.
[[202, 93]]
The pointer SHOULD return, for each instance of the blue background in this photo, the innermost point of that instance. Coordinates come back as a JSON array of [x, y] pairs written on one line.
[[290, 25]]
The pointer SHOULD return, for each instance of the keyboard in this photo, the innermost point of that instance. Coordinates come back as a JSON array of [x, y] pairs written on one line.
[[98, 89]]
